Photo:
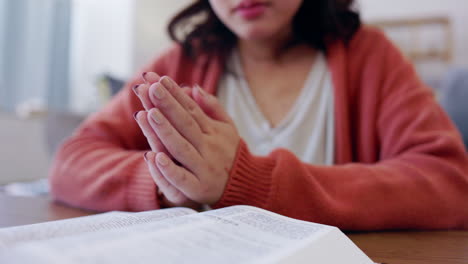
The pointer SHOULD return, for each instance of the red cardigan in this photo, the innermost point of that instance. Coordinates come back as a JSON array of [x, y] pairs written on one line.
[[400, 162]]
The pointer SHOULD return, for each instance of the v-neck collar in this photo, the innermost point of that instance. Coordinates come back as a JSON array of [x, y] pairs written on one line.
[[265, 126]]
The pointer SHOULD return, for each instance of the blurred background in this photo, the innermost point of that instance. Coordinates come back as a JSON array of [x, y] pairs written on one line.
[[63, 59]]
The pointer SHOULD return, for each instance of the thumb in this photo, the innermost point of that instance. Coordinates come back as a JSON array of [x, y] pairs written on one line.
[[210, 105]]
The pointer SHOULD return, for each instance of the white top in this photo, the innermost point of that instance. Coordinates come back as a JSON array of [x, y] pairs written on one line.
[[308, 128]]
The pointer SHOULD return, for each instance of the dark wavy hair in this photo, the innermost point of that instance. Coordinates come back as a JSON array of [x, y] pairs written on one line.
[[198, 30]]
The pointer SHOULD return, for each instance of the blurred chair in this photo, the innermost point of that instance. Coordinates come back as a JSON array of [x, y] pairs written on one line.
[[454, 98]]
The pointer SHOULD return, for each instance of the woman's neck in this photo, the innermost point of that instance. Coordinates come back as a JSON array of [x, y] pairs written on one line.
[[267, 49], [275, 50], [261, 50], [272, 52]]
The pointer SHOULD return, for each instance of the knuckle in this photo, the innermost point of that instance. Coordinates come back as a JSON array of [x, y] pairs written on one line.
[[166, 133], [206, 148], [154, 141], [162, 104], [186, 147], [191, 125], [162, 183], [170, 83], [191, 107], [215, 130], [181, 178], [183, 149], [208, 129], [197, 114]]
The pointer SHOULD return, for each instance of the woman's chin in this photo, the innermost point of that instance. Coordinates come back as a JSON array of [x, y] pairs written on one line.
[[256, 35], [258, 31]]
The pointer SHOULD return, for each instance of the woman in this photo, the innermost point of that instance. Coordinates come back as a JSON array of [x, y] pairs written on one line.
[[315, 117]]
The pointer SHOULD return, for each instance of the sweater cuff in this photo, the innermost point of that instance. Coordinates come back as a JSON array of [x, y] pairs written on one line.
[[250, 180], [141, 188]]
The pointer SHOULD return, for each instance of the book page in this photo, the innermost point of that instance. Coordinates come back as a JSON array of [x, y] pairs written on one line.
[[56, 229], [238, 234], [331, 247]]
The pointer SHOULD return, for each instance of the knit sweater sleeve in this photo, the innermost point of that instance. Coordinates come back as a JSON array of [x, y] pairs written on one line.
[[420, 180], [101, 167]]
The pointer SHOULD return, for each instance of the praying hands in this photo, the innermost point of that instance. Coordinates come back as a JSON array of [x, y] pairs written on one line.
[[192, 138]]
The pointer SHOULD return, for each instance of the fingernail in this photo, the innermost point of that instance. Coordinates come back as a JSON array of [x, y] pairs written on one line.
[[146, 156], [162, 160], [160, 93], [135, 115], [157, 116], [202, 92], [135, 89], [144, 76], [166, 82]]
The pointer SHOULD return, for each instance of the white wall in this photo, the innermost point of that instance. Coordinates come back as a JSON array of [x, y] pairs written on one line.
[[150, 27], [457, 10], [100, 43], [116, 37]]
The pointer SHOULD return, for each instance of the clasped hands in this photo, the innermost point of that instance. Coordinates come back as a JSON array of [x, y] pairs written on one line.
[[192, 138]]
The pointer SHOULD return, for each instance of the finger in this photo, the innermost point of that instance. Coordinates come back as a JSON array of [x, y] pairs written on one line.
[[177, 115], [187, 90], [179, 177], [153, 140], [187, 103], [177, 146], [150, 77], [171, 193], [210, 105], [141, 91]]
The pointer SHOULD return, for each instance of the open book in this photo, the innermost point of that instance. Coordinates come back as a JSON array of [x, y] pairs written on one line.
[[237, 234]]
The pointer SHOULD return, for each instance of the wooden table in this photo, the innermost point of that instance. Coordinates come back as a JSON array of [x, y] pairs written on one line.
[[25, 210], [443, 247], [447, 247]]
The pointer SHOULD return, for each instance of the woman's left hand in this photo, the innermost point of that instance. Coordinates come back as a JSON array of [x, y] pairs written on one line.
[[205, 144]]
